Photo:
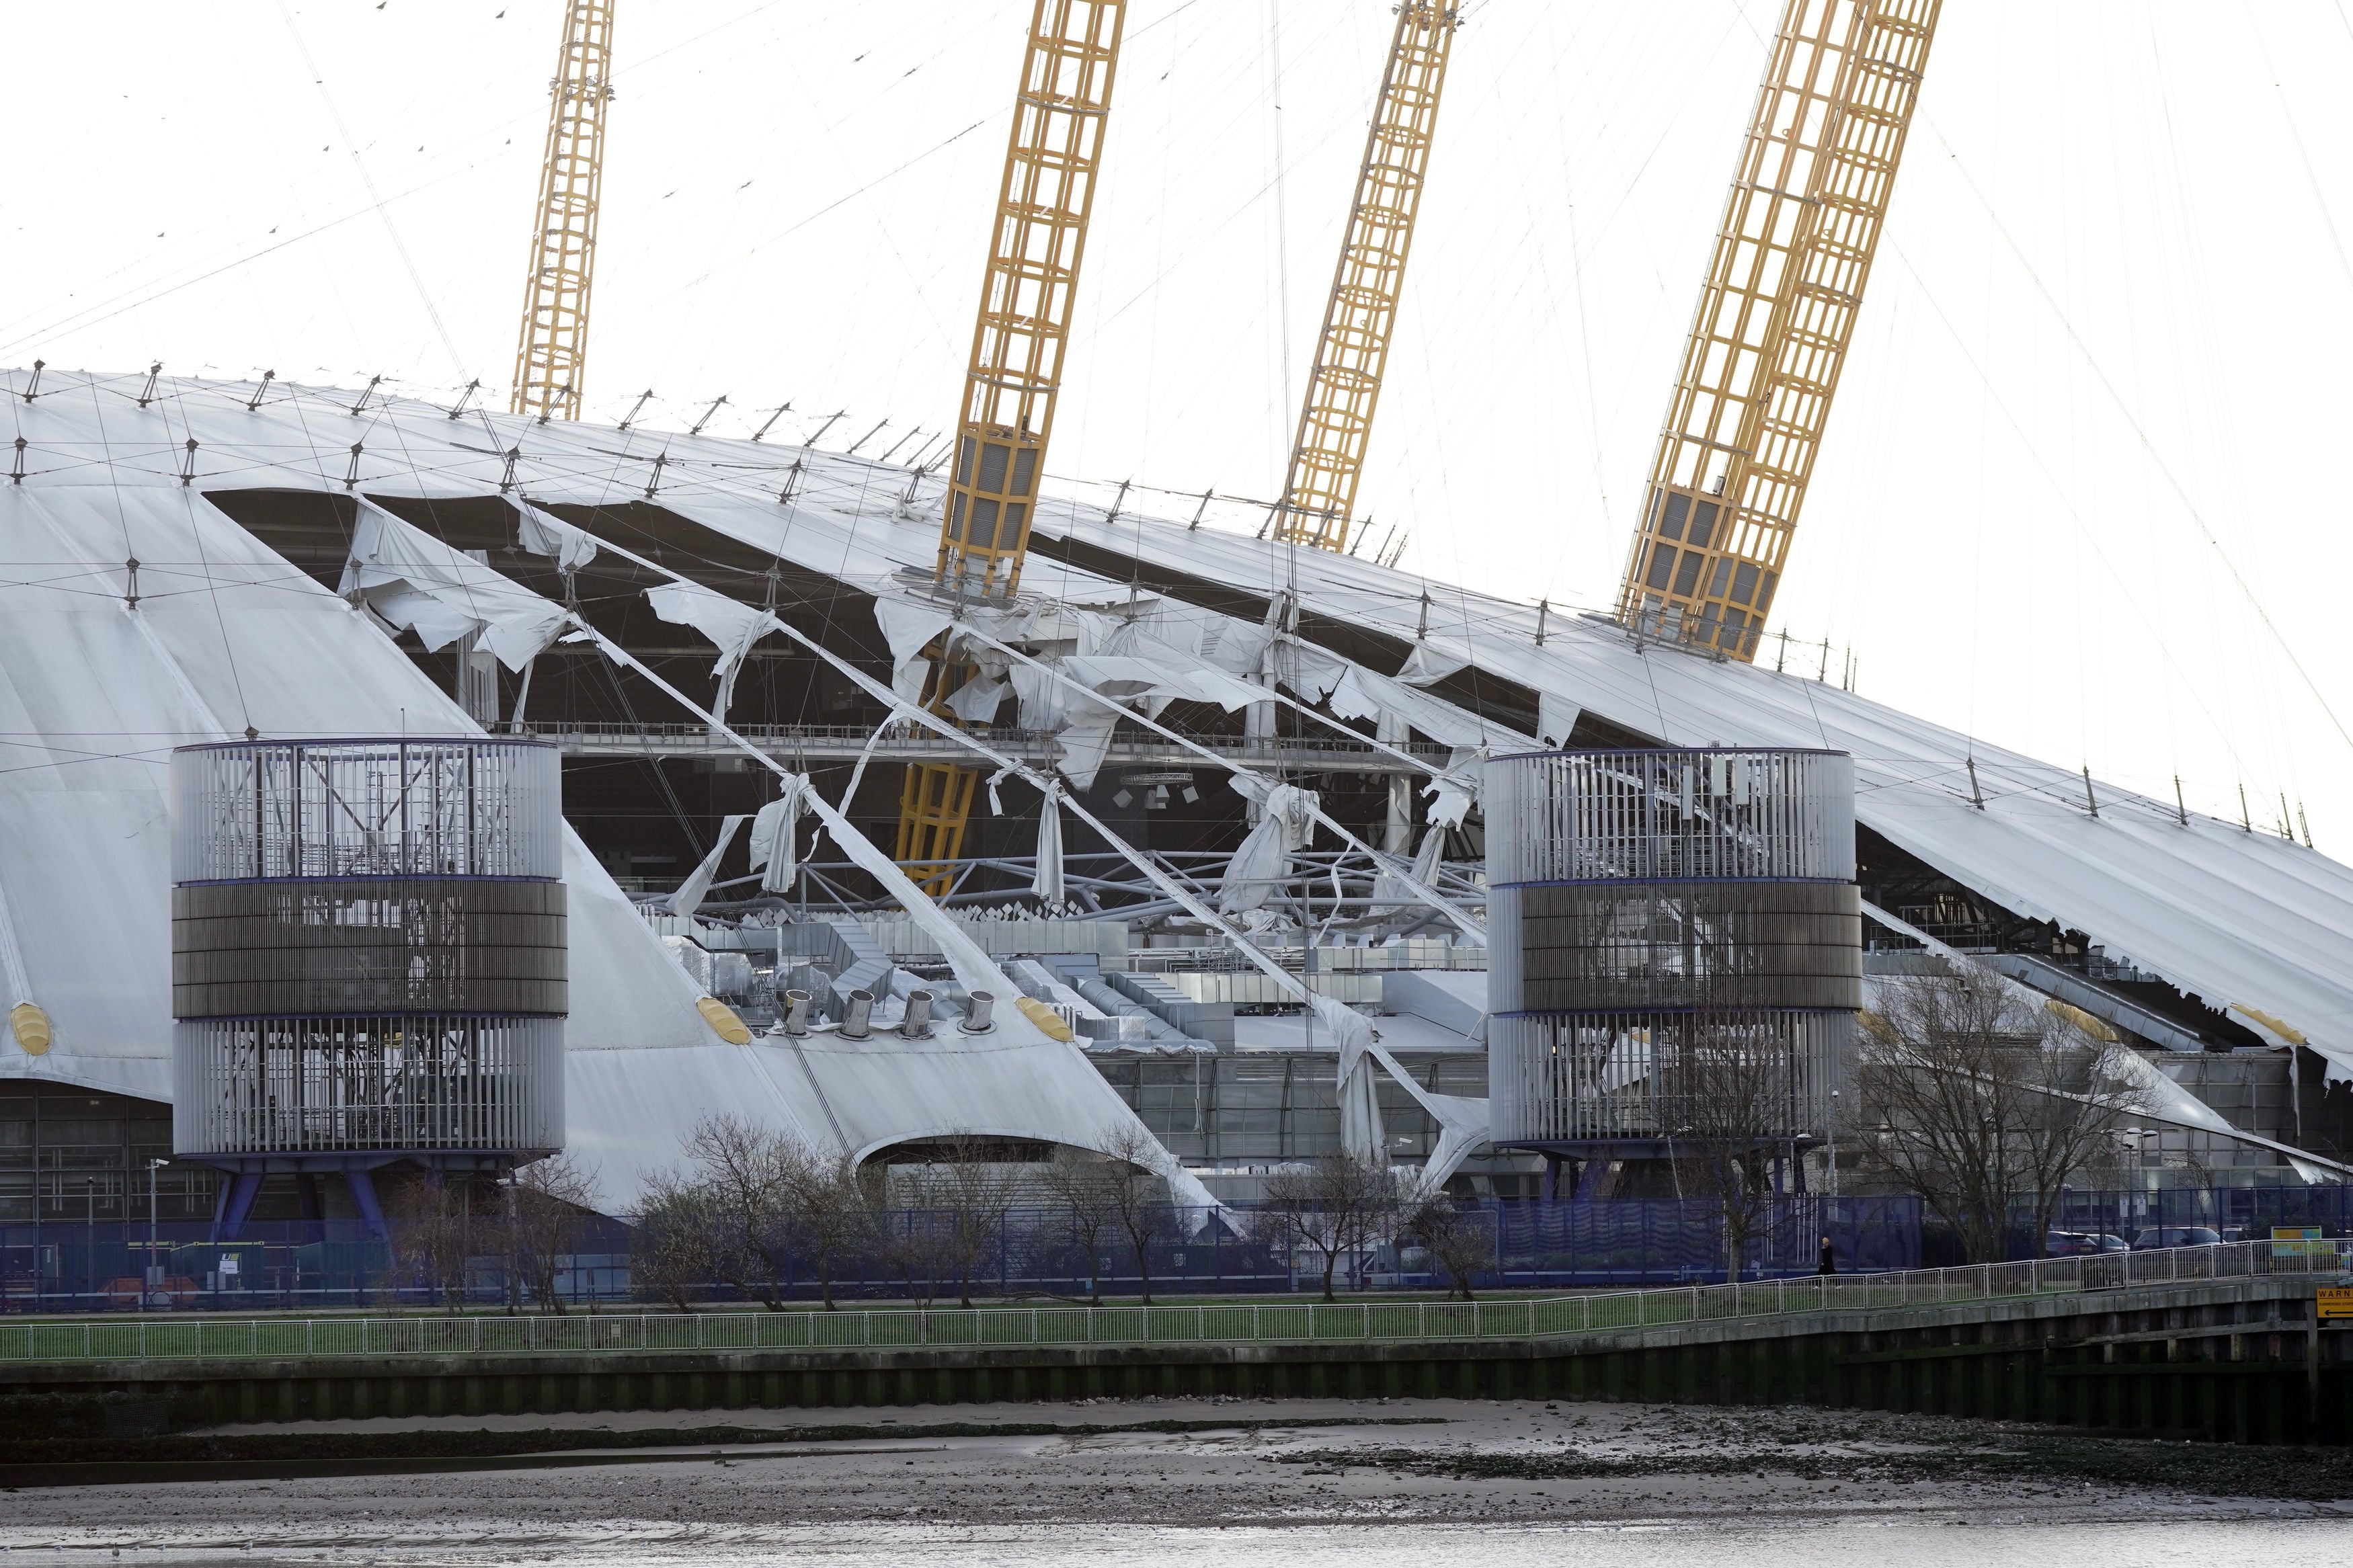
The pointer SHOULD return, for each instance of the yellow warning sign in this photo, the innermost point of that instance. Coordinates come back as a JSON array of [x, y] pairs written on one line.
[[2335, 1303]]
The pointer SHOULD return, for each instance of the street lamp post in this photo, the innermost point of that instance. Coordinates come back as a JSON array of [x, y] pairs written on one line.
[[1833, 1143], [154, 1269]]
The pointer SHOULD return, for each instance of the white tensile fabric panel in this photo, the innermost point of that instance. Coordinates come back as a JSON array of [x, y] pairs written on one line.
[[415, 582], [697, 885], [94, 694], [1048, 881], [732, 626], [543, 533], [776, 835], [93, 699], [2233, 918], [2239, 920], [1263, 862]]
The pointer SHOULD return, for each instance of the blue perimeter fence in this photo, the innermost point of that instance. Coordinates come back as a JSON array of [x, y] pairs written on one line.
[[1534, 1245]]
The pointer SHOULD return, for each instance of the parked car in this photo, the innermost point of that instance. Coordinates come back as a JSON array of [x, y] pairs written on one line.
[[2176, 1236], [2081, 1243]]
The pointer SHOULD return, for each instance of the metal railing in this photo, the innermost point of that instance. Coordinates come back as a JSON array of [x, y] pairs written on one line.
[[1304, 1323], [843, 743]]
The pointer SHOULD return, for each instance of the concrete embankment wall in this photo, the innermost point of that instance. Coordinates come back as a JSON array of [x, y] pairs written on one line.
[[2238, 1360]]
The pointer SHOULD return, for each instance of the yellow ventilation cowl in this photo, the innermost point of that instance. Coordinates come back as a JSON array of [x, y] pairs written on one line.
[[31, 1027], [723, 1022], [1045, 1017]]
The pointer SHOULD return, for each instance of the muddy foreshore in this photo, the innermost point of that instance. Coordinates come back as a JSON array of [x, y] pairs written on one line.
[[574, 1485]]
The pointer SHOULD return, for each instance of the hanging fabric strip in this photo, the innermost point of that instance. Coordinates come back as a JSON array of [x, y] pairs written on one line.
[[1047, 883], [697, 885], [1414, 884], [975, 969], [774, 833]]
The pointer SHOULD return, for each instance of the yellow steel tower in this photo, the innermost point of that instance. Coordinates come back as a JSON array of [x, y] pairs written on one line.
[[1775, 320], [554, 341], [1319, 496], [1017, 346]]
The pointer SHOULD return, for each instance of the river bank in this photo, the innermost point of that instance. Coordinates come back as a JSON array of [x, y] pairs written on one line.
[[784, 1482]]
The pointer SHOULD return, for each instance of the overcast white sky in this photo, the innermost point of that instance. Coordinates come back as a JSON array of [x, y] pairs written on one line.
[[2082, 494]]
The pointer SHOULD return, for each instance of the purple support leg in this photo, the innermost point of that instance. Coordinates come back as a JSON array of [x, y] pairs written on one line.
[[242, 1191], [363, 1195]]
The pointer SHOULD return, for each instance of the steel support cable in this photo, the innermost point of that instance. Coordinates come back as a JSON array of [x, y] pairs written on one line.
[[1005, 765], [2157, 637], [376, 203], [2140, 434], [1421, 890], [726, 484]]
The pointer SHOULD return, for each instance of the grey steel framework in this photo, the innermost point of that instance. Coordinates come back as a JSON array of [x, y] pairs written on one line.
[[368, 948], [1653, 1078], [403, 1083], [1580, 817], [442, 806], [1675, 939]]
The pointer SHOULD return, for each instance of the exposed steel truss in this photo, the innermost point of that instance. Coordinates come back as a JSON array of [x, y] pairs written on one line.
[[1018, 355], [1327, 458], [1775, 321], [1027, 297], [553, 345]]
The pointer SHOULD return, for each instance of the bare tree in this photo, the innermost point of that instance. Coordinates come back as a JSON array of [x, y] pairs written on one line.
[[432, 1227], [827, 1212], [744, 1170], [1460, 1241], [976, 1187], [1136, 1194], [1340, 1206], [1733, 1083], [1083, 1184], [911, 1234], [548, 1203], [671, 1254], [1976, 1094]]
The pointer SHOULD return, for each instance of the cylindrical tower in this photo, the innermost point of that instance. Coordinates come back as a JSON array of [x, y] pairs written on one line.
[[368, 955], [1676, 943]]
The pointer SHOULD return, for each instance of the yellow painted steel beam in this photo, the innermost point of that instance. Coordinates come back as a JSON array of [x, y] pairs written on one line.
[[1328, 457], [551, 351], [1032, 279], [1019, 346], [1775, 321]]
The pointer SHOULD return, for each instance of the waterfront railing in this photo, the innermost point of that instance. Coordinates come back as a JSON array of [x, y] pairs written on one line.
[[213, 1338]]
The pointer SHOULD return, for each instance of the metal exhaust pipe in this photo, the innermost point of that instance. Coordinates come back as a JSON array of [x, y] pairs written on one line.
[[796, 1013], [977, 1006], [917, 1024], [855, 1015]]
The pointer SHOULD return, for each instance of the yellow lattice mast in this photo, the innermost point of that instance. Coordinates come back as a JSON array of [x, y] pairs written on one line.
[[554, 342], [1018, 351], [1319, 495], [1775, 320]]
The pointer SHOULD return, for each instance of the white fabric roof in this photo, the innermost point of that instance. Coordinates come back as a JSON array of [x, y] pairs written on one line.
[[2255, 924], [94, 695], [2244, 920]]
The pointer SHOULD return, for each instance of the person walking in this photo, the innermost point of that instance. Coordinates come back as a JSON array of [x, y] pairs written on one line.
[[1829, 1260]]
